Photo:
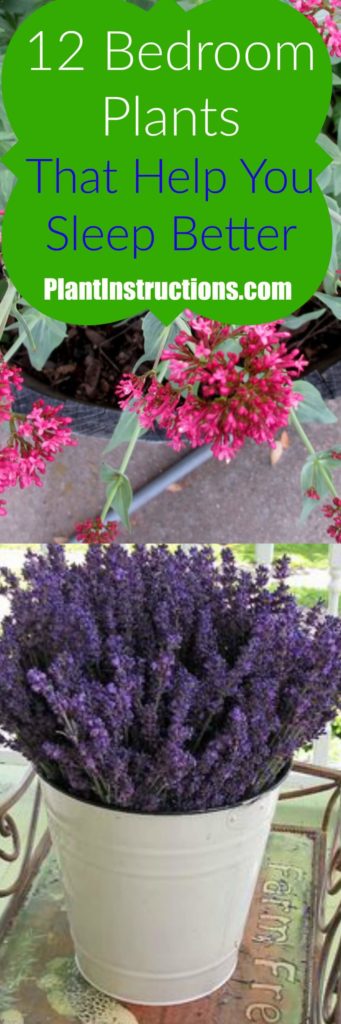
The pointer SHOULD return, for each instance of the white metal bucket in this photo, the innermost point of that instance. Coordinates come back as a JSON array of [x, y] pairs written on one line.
[[158, 903]]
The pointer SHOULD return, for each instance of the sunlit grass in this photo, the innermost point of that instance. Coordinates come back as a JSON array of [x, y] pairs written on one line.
[[303, 556]]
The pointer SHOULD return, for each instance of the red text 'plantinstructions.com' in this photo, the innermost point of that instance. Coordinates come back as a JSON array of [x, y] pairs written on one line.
[[162, 160]]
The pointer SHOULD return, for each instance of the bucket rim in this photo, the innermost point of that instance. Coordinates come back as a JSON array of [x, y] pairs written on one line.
[[170, 815]]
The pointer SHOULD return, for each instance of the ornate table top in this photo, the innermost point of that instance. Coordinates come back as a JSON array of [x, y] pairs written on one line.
[[289, 966]]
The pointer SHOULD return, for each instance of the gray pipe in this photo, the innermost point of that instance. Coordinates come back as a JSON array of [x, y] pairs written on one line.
[[193, 460], [153, 488]]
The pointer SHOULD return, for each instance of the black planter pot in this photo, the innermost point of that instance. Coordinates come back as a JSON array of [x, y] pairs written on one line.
[[95, 420], [87, 418], [328, 383]]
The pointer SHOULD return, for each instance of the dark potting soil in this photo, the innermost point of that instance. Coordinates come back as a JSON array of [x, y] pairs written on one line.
[[90, 362]]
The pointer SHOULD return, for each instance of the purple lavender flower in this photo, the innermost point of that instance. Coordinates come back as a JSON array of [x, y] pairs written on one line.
[[159, 681]]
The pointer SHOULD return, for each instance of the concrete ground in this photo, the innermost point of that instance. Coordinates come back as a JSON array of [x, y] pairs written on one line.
[[247, 501]]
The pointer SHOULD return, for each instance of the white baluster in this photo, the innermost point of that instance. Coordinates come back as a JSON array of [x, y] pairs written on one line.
[[321, 749], [264, 554], [335, 578], [321, 746]]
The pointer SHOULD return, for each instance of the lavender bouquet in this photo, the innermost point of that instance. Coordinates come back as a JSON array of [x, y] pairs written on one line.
[[159, 681]]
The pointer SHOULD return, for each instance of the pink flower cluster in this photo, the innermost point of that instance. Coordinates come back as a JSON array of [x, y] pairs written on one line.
[[333, 512], [33, 440], [94, 531], [10, 377], [216, 397], [328, 28]]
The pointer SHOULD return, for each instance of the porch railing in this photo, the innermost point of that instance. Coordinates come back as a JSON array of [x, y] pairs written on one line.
[[321, 753]]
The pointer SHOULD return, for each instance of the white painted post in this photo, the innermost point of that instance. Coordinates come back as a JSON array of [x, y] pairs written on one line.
[[321, 746], [335, 579], [264, 554]]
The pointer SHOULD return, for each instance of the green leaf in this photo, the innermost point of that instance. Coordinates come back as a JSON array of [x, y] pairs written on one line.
[[230, 345], [123, 494], [329, 147], [4, 122], [313, 476], [6, 143], [20, 6], [183, 325], [332, 280], [308, 506], [154, 331], [312, 409], [7, 181], [124, 430], [47, 335], [332, 301], [140, 361], [6, 305], [108, 473], [123, 500], [165, 371], [294, 322], [327, 459], [307, 475]]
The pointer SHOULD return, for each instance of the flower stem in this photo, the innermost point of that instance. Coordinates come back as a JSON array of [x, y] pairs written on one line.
[[22, 321], [312, 451], [302, 434], [12, 350], [136, 432], [124, 464], [325, 473]]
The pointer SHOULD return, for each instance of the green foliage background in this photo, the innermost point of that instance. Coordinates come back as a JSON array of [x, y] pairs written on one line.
[[14, 11]]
